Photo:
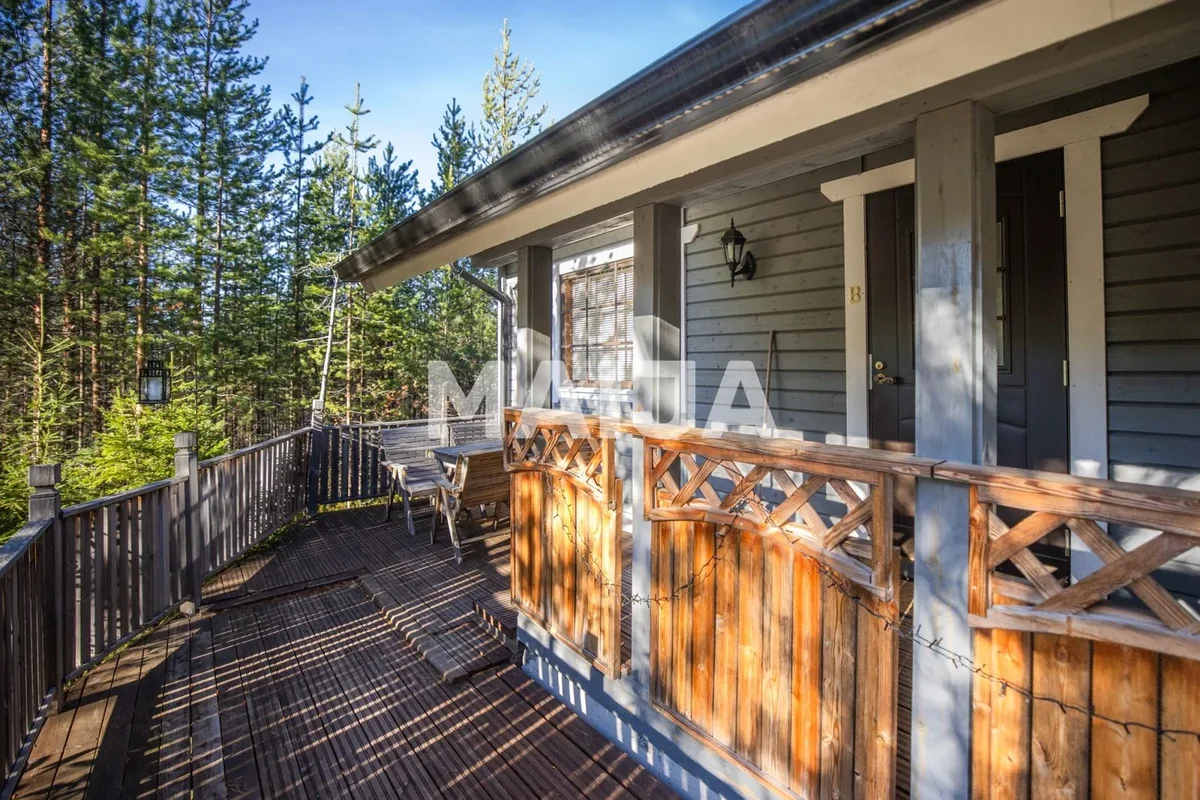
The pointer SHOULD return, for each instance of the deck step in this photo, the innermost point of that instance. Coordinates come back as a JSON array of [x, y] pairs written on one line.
[[503, 632], [454, 652]]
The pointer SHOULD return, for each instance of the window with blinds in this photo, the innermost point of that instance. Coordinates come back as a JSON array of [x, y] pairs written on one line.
[[597, 334]]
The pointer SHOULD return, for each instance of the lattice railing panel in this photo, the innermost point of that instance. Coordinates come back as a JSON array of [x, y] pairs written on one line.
[[779, 501]]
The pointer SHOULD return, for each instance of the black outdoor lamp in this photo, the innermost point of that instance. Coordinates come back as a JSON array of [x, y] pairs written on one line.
[[154, 383], [739, 262]]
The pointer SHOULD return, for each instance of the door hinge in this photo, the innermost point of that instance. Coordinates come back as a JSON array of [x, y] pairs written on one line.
[[1062, 204], [1066, 373]]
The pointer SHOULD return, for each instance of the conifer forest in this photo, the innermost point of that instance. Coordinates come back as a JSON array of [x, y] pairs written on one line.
[[158, 200]]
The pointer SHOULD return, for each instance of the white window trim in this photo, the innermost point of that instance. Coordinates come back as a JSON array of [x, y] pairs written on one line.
[[562, 269]]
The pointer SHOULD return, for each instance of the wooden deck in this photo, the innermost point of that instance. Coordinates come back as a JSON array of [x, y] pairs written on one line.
[[291, 683]]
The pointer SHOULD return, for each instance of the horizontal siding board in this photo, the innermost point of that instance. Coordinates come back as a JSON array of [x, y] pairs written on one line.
[[1153, 449], [749, 343], [1153, 174], [1159, 234], [785, 205], [825, 319], [1164, 419], [1157, 296], [1154, 327], [709, 269], [801, 241], [787, 283], [796, 381], [1154, 389], [612, 238], [1155, 142], [767, 303], [1180, 263], [1163, 358], [1141, 206]]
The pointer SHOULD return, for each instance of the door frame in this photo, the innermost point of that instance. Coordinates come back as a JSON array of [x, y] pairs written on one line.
[[1078, 135]]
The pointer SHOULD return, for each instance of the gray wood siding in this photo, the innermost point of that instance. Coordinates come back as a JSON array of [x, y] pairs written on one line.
[[796, 235], [1152, 290], [1151, 185]]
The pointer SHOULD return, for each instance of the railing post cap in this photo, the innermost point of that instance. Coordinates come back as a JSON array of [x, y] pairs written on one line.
[[185, 440], [43, 475]]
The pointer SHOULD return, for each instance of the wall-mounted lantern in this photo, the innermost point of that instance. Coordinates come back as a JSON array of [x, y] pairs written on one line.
[[154, 382], [739, 260]]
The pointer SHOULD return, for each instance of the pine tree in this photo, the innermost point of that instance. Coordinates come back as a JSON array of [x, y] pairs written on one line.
[[456, 144], [509, 89]]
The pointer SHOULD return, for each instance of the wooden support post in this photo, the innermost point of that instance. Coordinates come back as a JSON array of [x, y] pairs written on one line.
[[657, 373], [187, 466], [535, 295], [955, 420], [46, 503]]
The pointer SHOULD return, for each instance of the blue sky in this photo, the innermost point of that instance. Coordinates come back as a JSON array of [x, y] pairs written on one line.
[[412, 57]]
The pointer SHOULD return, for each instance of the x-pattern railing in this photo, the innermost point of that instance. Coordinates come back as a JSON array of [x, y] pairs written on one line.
[[572, 451], [1169, 527], [729, 487]]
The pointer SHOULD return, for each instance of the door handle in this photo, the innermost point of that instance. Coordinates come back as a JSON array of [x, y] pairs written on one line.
[[888, 380]]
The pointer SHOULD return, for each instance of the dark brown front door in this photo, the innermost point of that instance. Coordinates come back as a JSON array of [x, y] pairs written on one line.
[[1031, 407]]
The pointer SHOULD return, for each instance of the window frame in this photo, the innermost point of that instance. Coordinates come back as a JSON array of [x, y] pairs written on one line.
[[567, 346]]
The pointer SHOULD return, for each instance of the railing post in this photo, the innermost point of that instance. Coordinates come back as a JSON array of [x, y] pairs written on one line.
[[46, 503], [187, 466]]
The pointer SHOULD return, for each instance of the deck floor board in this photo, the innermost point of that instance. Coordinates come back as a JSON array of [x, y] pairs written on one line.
[[308, 691]]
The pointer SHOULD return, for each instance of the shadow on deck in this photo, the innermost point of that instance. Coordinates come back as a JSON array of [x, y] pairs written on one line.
[[291, 683]]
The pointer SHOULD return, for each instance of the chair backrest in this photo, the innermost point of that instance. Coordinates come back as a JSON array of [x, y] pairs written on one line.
[[482, 479], [406, 445], [466, 432]]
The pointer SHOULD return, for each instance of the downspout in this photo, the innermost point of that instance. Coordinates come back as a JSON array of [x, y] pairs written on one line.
[[503, 329]]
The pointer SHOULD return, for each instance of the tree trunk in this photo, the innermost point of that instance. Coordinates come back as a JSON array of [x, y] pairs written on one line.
[[143, 224], [43, 231]]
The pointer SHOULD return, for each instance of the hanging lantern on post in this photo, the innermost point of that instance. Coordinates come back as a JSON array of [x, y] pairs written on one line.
[[154, 382]]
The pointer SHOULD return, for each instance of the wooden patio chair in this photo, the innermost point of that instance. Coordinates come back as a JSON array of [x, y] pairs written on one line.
[[477, 480], [467, 432], [411, 471]]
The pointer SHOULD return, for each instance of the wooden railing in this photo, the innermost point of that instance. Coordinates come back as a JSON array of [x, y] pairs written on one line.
[[249, 494], [1078, 687], [756, 642], [566, 532], [126, 564], [76, 583], [27, 652], [348, 464], [774, 616]]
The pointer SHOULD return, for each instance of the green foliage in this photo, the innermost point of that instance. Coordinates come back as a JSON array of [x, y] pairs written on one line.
[[137, 444], [509, 89], [155, 197]]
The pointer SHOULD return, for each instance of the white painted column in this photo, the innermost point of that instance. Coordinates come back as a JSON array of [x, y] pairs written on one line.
[[657, 260], [955, 419], [1086, 343], [858, 376], [535, 321]]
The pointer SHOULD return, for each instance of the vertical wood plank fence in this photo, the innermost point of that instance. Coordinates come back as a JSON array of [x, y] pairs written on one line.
[[566, 535], [773, 631]]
